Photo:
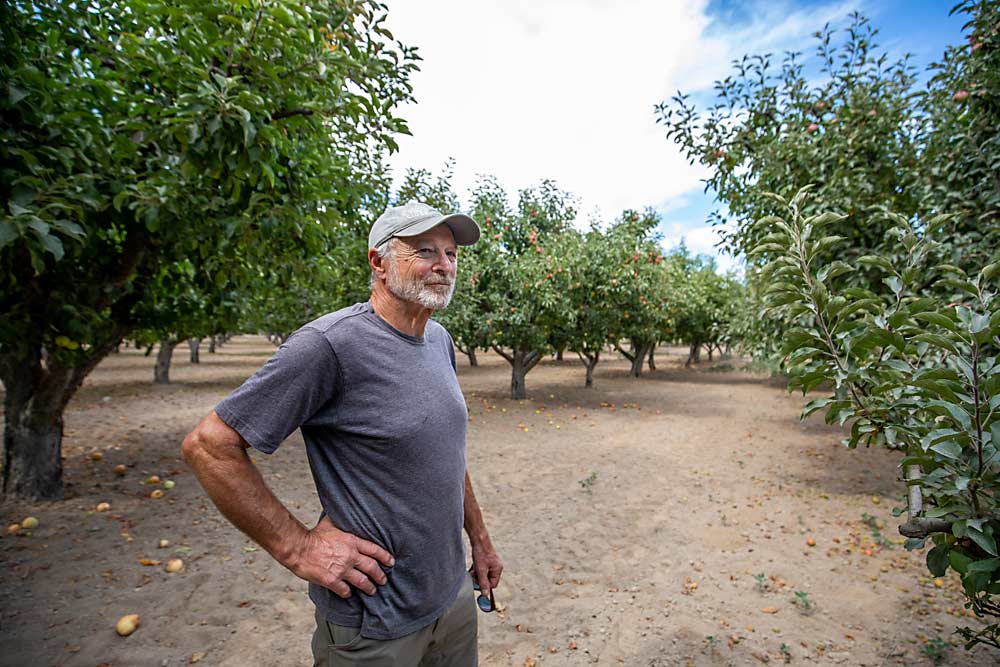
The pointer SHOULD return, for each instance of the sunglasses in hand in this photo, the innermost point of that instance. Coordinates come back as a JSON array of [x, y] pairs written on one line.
[[486, 604]]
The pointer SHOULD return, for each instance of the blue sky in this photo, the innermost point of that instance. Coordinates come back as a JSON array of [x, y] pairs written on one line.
[[565, 89]]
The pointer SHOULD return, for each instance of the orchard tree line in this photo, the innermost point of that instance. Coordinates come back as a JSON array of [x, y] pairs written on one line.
[[535, 284], [867, 205], [181, 171]]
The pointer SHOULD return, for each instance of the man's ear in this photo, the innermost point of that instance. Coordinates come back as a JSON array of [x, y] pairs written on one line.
[[375, 262]]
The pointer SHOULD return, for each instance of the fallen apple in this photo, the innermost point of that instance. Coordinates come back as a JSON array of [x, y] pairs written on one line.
[[174, 565], [96, 456], [14, 528], [169, 484], [103, 507], [154, 479], [163, 544], [120, 470], [29, 523], [127, 624], [156, 493]]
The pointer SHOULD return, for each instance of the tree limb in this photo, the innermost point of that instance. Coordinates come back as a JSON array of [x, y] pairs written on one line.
[[288, 113], [510, 359], [922, 527]]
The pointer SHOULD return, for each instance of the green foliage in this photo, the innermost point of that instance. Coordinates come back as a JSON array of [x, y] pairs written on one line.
[[158, 154], [522, 283], [849, 131], [961, 134], [914, 369]]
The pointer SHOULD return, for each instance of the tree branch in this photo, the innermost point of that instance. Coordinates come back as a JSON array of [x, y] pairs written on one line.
[[510, 359], [288, 113], [922, 527]]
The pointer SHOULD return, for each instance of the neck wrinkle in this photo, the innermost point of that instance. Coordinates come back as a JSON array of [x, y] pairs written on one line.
[[405, 316]]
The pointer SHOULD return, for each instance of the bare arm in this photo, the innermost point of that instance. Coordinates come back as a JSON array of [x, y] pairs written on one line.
[[486, 564], [324, 555]]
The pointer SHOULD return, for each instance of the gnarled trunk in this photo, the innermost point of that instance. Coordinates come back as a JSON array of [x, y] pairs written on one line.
[[211, 345], [590, 360], [521, 362], [38, 387], [161, 371], [637, 353], [652, 353], [694, 354], [470, 352], [194, 345]]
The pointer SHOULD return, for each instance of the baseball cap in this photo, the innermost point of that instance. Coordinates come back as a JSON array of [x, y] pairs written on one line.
[[415, 218]]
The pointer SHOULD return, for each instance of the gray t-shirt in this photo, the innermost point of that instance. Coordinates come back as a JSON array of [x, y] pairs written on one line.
[[384, 422]]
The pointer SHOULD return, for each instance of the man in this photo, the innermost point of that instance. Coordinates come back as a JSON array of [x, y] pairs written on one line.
[[374, 391]]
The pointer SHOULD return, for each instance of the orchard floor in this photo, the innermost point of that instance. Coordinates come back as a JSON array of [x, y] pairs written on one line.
[[633, 519]]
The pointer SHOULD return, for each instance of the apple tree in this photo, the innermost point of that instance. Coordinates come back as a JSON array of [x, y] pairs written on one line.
[[844, 119], [520, 281], [138, 135], [914, 370]]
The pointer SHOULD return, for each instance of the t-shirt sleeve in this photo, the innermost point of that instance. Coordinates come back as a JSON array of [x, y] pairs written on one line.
[[450, 344], [284, 393]]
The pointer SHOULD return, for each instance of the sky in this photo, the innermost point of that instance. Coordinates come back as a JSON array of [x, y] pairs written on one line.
[[565, 89]]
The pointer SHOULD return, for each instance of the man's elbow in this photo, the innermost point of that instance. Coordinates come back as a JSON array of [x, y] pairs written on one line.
[[193, 447]]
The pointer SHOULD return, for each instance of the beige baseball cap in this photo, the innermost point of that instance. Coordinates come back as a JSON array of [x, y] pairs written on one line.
[[415, 218]]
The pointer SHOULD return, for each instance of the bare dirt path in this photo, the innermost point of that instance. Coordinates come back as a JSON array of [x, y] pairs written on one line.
[[668, 520]]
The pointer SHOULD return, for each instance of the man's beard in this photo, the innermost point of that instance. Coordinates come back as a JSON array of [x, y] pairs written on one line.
[[417, 291]]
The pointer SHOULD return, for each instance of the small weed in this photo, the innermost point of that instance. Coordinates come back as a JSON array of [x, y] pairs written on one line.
[[786, 652], [936, 649], [588, 482], [873, 525], [806, 605], [761, 580], [712, 641]]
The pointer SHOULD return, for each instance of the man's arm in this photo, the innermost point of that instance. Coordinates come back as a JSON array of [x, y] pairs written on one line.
[[486, 563], [324, 555]]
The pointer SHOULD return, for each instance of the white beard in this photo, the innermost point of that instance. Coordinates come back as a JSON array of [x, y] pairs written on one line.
[[418, 291]]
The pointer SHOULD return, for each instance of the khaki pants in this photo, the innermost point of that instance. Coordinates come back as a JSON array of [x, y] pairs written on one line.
[[449, 641]]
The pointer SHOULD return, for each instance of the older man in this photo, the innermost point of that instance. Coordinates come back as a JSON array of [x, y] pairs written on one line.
[[373, 389]]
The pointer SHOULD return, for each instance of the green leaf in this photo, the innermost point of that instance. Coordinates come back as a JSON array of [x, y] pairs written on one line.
[[957, 413], [938, 319], [949, 449], [53, 245], [985, 542], [988, 565], [876, 261], [937, 560], [8, 232], [938, 341]]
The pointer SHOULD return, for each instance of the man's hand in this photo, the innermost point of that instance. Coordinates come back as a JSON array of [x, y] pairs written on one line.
[[337, 560], [486, 567]]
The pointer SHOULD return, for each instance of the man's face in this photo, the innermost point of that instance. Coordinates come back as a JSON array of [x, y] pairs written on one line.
[[422, 268]]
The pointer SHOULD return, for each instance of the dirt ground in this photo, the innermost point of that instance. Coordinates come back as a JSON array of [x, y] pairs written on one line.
[[684, 518]]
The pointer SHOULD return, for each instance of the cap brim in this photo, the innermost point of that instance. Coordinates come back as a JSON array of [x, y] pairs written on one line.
[[463, 228]]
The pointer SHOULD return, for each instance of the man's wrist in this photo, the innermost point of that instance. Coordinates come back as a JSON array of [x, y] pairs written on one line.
[[288, 551]]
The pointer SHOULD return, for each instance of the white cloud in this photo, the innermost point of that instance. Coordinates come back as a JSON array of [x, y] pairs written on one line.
[[565, 89]]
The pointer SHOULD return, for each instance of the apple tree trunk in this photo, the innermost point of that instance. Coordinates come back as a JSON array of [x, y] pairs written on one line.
[[194, 345], [521, 362], [161, 371], [38, 387], [590, 360]]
